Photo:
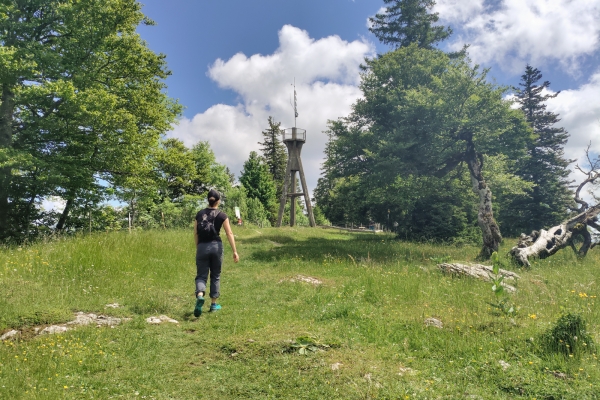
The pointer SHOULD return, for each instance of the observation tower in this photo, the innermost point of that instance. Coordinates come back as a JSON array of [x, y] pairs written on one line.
[[294, 138]]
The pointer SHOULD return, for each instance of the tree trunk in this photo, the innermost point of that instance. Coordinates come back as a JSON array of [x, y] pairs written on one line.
[[6, 118], [479, 271], [544, 243], [65, 214], [485, 216]]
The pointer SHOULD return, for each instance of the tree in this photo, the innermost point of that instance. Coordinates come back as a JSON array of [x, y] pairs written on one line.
[[545, 165], [274, 153], [258, 182], [423, 115], [408, 21], [176, 169], [82, 102], [209, 173], [545, 243]]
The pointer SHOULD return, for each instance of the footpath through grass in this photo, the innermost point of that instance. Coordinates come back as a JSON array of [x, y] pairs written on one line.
[[365, 321]]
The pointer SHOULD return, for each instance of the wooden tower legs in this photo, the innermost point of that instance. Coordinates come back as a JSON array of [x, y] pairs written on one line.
[[290, 182]]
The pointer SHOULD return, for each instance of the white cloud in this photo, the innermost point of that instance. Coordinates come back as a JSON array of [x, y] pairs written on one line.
[[326, 73], [458, 11], [579, 110], [382, 10], [512, 32]]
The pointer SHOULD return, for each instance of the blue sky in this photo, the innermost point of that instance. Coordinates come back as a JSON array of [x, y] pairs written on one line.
[[193, 34], [233, 62]]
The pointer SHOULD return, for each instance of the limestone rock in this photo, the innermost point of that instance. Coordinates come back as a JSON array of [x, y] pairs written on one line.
[[306, 279], [336, 366], [436, 323], [87, 319], [12, 334], [52, 329], [160, 320]]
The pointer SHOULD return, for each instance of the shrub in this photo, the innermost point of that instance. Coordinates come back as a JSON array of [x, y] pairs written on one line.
[[568, 336]]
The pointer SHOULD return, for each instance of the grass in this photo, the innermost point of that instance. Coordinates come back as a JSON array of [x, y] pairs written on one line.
[[367, 318]]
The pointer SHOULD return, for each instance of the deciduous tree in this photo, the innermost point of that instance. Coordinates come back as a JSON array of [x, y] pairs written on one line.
[[82, 102], [258, 182]]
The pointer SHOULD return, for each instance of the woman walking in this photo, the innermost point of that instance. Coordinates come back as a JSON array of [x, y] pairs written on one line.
[[209, 250]]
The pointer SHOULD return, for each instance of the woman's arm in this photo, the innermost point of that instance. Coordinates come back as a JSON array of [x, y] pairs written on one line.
[[231, 240], [196, 232]]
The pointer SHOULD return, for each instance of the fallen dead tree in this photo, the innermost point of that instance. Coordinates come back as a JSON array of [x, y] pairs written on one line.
[[544, 243], [479, 271]]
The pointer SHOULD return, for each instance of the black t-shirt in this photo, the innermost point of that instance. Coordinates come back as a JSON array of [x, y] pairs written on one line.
[[219, 218]]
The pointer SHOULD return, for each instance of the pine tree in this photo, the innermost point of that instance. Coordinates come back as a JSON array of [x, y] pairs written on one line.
[[408, 21], [545, 165], [274, 153]]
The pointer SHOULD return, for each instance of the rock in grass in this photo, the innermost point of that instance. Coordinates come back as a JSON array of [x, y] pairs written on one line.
[[436, 323], [87, 319], [406, 370], [302, 278], [160, 320], [12, 334], [504, 364], [52, 329]]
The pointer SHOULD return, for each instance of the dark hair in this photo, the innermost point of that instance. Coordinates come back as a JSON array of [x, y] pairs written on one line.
[[213, 197]]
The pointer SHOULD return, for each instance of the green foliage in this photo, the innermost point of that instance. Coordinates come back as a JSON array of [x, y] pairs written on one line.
[[503, 303], [259, 184], [568, 337], [235, 197], [274, 153], [305, 345], [426, 125], [256, 213], [547, 201], [176, 169], [301, 218], [320, 218], [408, 21], [82, 101], [209, 173]]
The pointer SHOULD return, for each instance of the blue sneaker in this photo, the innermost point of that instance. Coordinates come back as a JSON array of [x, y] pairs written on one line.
[[215, 307], [198, 308]]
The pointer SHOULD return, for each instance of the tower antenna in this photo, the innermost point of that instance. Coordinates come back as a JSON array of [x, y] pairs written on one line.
[[295, 105]]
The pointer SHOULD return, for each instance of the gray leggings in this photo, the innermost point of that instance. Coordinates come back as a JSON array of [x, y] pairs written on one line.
[[209, 258]]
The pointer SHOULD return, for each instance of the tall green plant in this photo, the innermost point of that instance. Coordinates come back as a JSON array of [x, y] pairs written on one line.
[[259, 184]]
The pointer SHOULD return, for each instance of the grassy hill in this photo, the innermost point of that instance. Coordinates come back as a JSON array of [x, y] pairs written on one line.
[[360, 334]]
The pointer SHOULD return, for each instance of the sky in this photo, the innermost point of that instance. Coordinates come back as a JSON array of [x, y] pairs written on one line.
[[233, 63]]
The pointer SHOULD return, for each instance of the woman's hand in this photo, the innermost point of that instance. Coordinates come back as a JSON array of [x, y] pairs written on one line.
[[236, 257]]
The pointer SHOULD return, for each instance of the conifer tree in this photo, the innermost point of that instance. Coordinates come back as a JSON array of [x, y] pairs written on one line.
[[545, 165], [408, 21], [274, 153]]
